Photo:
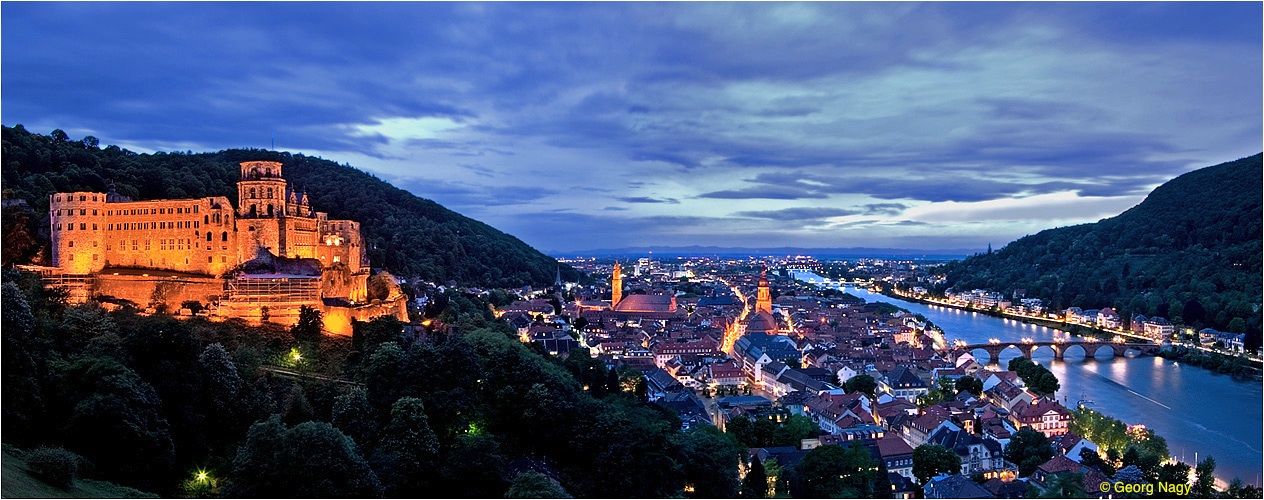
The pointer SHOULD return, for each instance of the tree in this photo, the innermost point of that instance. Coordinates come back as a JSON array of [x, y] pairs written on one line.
[[1029, 449], [311, 460], [709, 459], [755, 484], [1174, 473], [831, 471], [297, 408], [409, 454], [931, 459], [117, 422], [1206, 478], [353, 415], [861, 383], [309, 325], [1064, 485], [532, 484], [969, 384], [794, 430], [1090, 458]]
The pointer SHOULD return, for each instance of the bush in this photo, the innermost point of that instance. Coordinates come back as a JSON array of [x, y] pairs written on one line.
[[54, 465]]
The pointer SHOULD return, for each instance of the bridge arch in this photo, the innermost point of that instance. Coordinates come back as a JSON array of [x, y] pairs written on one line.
[[1057, 351]]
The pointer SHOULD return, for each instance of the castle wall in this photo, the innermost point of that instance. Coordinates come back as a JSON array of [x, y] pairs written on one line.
[[172, 291], [337, 320]]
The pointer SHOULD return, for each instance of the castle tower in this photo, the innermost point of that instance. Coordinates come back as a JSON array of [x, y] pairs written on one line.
[[77, 225], [616, 286], [261, 209], [763, 298], [261, 191]]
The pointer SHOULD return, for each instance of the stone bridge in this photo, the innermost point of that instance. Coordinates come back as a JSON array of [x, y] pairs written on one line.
[[1059, 349]]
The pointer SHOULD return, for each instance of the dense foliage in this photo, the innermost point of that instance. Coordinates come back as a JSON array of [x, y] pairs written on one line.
[[1035, 376], [1191, 252], [154, 402], [408, 235]]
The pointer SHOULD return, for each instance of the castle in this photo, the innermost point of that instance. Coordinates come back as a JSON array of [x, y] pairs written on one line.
[[262, 260]]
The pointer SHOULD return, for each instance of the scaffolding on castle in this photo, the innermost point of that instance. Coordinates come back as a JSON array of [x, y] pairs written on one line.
[[273, 289], [77, 286]]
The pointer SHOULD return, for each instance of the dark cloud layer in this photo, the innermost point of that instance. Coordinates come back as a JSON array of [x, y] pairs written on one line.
[[877, 107]]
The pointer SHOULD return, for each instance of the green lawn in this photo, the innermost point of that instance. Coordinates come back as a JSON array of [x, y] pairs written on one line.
[[16, 482]]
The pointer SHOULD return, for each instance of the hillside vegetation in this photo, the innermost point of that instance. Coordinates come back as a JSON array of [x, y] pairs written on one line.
[[409, 235], [1190, 252]]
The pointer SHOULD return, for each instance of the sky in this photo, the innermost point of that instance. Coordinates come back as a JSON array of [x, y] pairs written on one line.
[[577, 126]]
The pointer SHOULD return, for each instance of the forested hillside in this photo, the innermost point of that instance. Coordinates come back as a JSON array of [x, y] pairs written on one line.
[[409, 235], [1190, 252]]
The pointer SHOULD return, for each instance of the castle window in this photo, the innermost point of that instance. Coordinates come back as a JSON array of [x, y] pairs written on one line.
[[206, 219], [209, 259], [59, 226], [72, 244], [195, 224], [94, 211], [83, 198], [269, 210], [208, 236], [94, 198], [94, 226], [195, 209], [225, 236], [146, 245], [269, 192], [83, 211], [252, 192], [83, 226], [223, 258]]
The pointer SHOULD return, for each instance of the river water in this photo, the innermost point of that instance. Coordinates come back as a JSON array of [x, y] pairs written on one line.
[[1195, 410]]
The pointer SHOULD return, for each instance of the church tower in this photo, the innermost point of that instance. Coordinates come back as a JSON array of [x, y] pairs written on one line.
[[763, 298], [616, 286]]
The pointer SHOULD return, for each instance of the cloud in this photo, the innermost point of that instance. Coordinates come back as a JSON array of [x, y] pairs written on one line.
[[884, 208], [891, 109], [764, 191], [798, 214], [646, 199]]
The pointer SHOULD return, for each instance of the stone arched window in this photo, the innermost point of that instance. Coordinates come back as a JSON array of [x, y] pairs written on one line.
[[208, 236], [225, 236]]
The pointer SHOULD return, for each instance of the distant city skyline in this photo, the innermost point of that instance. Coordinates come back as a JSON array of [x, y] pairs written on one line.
[[583, 126]]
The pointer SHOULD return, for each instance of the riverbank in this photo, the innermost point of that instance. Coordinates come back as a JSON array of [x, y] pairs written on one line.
[[1210, 360]]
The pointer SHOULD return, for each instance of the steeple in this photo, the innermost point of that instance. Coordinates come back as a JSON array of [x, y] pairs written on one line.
[[763, 297], [616, 285], [557, 281]]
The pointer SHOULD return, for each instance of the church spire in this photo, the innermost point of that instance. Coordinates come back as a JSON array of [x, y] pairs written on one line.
[[763, 297], [616, 285]]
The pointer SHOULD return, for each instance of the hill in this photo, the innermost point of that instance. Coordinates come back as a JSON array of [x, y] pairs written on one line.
[[406, 234], [1191, 252], [18, 483]]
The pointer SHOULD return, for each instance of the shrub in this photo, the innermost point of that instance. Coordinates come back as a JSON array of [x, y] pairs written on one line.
[[54, 465]]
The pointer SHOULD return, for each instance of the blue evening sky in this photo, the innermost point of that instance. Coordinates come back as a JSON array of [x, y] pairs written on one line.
[[595, 125]]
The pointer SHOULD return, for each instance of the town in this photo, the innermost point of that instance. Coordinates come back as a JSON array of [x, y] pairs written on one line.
[[738, 344]]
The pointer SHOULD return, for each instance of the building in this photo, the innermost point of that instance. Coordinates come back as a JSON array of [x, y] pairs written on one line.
[[263, 259]]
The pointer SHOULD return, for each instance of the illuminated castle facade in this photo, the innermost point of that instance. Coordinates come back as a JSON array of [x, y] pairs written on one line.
[[92, 231], [97, 235]]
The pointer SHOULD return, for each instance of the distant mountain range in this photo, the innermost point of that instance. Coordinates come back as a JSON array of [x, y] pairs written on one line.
[[405, 234], [703, 251], [1190, 252]]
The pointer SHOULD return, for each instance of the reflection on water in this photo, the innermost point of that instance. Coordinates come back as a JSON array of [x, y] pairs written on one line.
[[1196, 410]]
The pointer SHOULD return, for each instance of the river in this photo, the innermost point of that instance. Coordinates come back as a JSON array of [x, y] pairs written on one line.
[[1196, 410]]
